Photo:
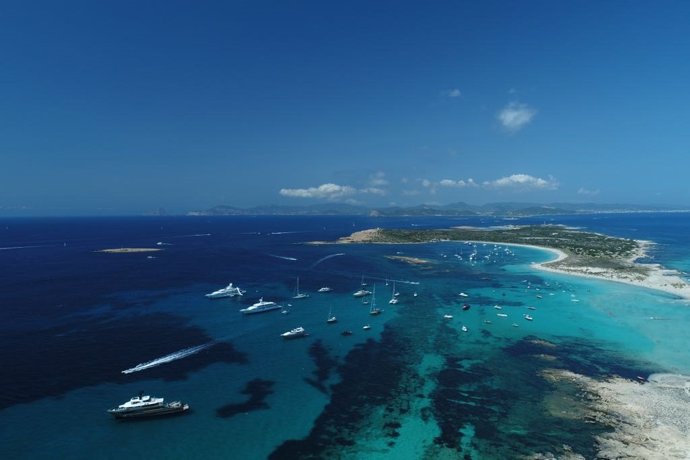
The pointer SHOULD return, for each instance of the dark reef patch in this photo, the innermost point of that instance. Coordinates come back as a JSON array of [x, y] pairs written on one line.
[[325, 363], [583, 357], [257, 390], [372, 376], [56, 360]]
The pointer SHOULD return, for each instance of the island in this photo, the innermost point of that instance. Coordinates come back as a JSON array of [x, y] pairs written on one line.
[[577, 252]]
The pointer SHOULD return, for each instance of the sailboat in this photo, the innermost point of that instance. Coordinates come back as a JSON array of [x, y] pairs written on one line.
[[299, 295], [331, 319], [362, 292], [373, 311], [394, 298]]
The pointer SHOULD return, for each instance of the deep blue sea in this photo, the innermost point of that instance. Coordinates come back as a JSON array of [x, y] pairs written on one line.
[[413, 386]]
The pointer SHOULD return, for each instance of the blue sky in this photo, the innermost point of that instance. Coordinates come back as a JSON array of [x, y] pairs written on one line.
[[125, 107]]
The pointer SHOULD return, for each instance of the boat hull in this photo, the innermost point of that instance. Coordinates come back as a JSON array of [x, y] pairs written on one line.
[[174, 408]]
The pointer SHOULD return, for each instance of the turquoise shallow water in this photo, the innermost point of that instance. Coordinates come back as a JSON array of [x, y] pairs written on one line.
[[414, 386]]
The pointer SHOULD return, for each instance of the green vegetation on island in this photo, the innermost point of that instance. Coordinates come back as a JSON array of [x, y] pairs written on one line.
[[582, 249]]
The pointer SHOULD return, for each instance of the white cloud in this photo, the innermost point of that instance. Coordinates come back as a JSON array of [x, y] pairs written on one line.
[[329, 191], [458, 183], [378, 179], [516, 116], [455, 92], [586, 192], [373, 191], [523, 181]]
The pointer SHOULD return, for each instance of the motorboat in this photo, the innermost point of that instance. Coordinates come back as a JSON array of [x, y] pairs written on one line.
[[502, 315], [448, 316], [227, 291], [366, 327], [462, 294], [362, 293], [466, 307], [260, 307], [528, 318], [294, 333], [464, 328], [325, 289], [143, 406], [498, 307]]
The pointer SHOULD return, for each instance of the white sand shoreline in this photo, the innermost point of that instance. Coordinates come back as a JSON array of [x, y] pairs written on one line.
[[655, 277]]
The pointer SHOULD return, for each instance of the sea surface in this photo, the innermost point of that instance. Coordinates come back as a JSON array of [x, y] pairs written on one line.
[[413, 386]]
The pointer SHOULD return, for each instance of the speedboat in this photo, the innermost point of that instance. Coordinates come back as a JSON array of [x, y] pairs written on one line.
[[325, 289], [462, 294], [393, 301], [502, 315], [260, 307], [464, 328], [146, 406], [448, 316], [227, 291], [362, 293], [498, 307], [366, 327], [528, 318], [294, 333]]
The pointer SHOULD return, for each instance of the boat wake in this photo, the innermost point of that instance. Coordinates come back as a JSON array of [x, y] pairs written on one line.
[[168, 358], [282, 257], [9, 248], [326, 258]]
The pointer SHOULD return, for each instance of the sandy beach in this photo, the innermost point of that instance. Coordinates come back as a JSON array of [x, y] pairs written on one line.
[[655, 277], [650, 276]]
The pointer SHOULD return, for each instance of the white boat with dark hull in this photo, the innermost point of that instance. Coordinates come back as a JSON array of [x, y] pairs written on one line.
[[228, 291], [145, 406], [294, 333], [261, 306]]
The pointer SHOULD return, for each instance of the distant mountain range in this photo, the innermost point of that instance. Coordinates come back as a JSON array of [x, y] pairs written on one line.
[[454, 209]]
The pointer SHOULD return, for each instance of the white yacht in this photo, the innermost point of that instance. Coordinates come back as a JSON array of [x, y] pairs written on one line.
[[228, 291], [260, 307], [528, 318], [362, 293], [146, 406], [294, 333], [325, 289]]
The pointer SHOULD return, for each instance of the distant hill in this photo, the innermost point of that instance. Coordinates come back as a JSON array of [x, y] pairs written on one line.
[[507, 209]]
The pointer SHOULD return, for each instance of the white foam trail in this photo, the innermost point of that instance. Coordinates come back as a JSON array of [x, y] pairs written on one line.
[[8, 248], [282, 257], [326, 258], [285, 233], [167, 358]]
